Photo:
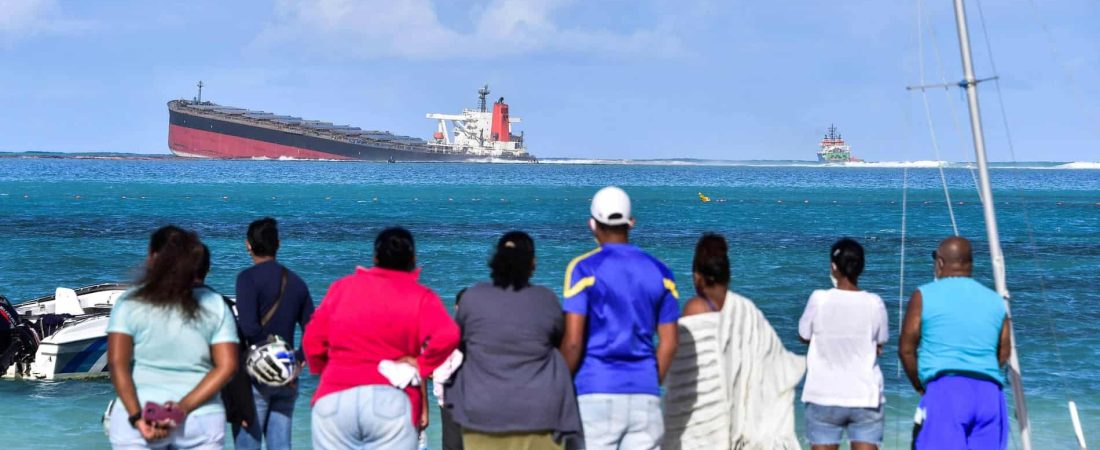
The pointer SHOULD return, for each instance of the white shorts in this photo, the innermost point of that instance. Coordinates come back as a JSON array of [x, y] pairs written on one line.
[[203, 432]]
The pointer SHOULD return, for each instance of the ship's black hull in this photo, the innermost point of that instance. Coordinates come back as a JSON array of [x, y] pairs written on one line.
[[194, 135]]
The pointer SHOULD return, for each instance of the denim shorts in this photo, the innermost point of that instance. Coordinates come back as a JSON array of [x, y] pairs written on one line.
[[825, 425], [370, 416], [621, 421]]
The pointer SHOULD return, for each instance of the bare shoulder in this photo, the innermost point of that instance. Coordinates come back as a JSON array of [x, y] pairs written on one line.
[[695, 306]]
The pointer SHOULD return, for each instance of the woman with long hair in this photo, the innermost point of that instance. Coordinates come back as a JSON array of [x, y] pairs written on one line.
[[514, 390], [369, 320], [181, 340]]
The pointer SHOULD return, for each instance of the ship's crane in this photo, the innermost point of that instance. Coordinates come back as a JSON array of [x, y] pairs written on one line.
[[465, 125]]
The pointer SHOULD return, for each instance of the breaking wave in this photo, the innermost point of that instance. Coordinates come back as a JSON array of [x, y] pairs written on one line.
[[750, 163], [1080, 165], [919, 164], [926, 164], [584, 161]]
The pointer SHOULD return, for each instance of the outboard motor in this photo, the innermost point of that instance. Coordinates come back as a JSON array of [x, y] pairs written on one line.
[[18, 340], [9, 340], [28, 347]]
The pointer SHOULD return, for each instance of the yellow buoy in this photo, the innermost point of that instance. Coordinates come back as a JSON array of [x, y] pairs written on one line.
[[703, 198]]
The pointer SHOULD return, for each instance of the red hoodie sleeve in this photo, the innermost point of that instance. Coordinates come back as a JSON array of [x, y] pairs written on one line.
[[438, 334], [315, 339]]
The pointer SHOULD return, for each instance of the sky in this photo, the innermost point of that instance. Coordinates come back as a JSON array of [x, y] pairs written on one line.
[[617, 79]]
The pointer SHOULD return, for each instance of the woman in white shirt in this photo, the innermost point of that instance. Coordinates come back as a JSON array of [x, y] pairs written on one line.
[[845, 328]]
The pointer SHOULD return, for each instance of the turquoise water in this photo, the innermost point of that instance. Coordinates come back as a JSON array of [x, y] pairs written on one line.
[[78, 222]]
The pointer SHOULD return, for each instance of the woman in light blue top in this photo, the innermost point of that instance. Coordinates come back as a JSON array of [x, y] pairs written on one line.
[[182, 342]]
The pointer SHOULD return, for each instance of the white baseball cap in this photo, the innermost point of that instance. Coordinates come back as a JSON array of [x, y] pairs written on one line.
[[611, 206]]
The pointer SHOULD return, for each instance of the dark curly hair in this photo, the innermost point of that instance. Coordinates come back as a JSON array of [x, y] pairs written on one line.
[[395, 250], [712, 259]]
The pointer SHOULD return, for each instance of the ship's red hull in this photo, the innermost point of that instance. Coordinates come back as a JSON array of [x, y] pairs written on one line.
[[203, 133], [198, 143]]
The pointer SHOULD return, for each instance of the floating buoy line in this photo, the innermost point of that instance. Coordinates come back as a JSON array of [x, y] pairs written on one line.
[[700, 197]]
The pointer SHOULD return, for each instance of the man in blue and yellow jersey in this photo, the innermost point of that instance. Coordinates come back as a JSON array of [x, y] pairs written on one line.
[[618, 298]]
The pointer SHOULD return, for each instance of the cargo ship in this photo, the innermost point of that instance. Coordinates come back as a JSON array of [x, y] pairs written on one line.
[[834, 149], [204, 129]]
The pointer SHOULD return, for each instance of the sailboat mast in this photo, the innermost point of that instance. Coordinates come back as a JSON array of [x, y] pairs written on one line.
[[995, 253]]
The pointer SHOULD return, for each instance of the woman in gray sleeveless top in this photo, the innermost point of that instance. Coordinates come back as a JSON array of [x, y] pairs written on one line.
[[513, 389]]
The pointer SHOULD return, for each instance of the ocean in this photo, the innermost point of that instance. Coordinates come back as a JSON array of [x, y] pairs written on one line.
[[67, 222]]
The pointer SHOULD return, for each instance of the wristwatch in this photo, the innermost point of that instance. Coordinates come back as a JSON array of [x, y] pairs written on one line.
[[134, 418]]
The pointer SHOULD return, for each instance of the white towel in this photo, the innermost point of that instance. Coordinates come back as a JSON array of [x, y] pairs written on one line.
[[443, 373], [401, 375], [731, 384]]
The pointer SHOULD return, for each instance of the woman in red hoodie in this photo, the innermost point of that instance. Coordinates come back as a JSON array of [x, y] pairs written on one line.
[[375, 315]]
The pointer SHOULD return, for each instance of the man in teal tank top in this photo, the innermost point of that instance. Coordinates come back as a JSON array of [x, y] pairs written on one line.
[[954, 342]]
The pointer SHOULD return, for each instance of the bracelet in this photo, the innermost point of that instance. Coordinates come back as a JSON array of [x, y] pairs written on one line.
[[134, 418]]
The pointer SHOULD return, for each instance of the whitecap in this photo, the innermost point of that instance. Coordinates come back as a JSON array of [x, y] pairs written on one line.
[[1079, 165]]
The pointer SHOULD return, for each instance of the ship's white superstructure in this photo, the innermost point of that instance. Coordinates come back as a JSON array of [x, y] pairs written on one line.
[[479, 131]]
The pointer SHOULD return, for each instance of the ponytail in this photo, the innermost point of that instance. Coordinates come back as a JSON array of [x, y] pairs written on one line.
[[513, 263], [847, 254]]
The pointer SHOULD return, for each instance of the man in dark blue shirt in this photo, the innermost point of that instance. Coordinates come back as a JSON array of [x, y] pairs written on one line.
[[258, 290]]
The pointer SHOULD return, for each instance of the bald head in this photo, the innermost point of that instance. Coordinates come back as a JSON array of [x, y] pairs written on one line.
[[954, 257]]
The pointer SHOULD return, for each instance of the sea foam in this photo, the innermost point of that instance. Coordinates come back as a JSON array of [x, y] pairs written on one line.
[[1079, 165]]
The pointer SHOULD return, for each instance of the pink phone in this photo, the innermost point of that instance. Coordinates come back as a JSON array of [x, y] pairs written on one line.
[[174, 413], [152, 412], [155, 412]]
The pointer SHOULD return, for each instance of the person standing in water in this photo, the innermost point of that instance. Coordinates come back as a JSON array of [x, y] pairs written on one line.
[[269, 292], [954, 344], [514, 389], [450, 430], [180, 340], [371, 317], [618, 298], [846, 328], [731, 384]]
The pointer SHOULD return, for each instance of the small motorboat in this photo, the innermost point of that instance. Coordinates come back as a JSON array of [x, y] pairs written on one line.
[[64, 336]]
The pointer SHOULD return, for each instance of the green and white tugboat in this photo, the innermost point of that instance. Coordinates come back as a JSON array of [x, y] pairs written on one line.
[[833, 149]]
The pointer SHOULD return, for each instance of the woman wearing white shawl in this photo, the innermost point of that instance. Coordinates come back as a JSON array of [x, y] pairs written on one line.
[[731, 385]]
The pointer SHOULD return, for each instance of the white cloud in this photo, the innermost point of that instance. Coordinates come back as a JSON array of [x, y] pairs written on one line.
[[23, 18], [18, 16], [412, 29]]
